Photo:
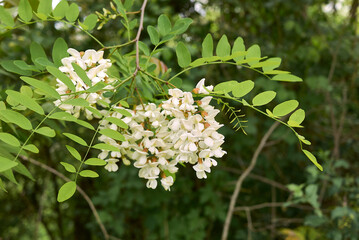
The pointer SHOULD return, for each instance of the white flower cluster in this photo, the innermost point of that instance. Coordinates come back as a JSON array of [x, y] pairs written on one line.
[[180, 130], [95, 66]]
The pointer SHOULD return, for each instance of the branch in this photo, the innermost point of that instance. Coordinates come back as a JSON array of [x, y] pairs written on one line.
[[79, 189], [137, 39], [241, 179], [270, 204]]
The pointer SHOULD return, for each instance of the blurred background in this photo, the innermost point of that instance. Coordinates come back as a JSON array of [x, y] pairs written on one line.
[[285, 197]]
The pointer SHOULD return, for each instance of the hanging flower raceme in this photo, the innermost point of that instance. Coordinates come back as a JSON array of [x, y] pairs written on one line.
[[179, 130], [95, 66]]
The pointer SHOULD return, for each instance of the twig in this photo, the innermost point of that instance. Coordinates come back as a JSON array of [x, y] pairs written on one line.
[[271, 205], [79, 189], [240, 180], [137, 39], [249, 224]]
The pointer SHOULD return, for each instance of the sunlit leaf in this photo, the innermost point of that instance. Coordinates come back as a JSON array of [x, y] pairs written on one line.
[[263, 98], [243, 88], [9, 139], [25, 10], [74, 152], [68, 167], [207, 46], [183, 55], [76, 139], [46, 88], [66, 191], [285, 108], [26, 101], [16, 118], [223, 47], [89, 174], [46, 131]]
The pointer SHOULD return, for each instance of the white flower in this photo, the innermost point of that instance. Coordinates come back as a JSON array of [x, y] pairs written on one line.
[[111, 165], [201, 87], [167, 182]]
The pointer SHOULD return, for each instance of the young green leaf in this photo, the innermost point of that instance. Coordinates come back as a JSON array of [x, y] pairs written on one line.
[[82, 74], [46, 131], [16, 118], [59, 51], [113, 134], [154, 36], [181, 25], [25, 10], [183, 55], [66, 191], [207, 46], [223, 48], [242, 88], [6, 164], [42, 86], [85, 124], [74, 152], [298, 116], [68, 167], [65, 116], [62, 77], [90, 21], [76, 139], [72, 12], [26, 101], [313, 159], [225, 87], [5, 17], [238, 46], [124, 103], [9, 139], [95, 162], [37, 51], [286, 107], [77, 102], [45, 7], [89, 174], [123, 112], [61, 9], [263, 98], [287, 78], [272, 64], [253, 54], [26, 90], [32, 148], [104, 146], [164, 25], [118, 122]]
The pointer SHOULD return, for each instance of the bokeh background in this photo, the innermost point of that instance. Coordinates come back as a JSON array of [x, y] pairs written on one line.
[[316, 39]]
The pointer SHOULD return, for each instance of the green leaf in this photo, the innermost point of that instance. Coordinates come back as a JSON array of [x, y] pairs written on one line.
[[45, 7], [42, 86], [37, 51], [89, 173], [123, 112], [313, 159], [25, 10], [164, 25], [105, 146], [6, 164], [128, 4], [238, 46], [72, 12], [287, 78], [82, 74], [61, 9], [77, 102], [68, 167], [85, 124], [5, 17], [32, 148], [90, 21], [24, 66], [65, 116], [113, 134], [286, 107], [242, 88], [20, 168], [10, 66], [154, 36], [183, 55], [26, 90], [272, 64], [76, 139], [16, 118], [124, 103], [62, 77], [298, 116], [144, 48], [9, 174], [254, 52], [74, 152], [118, 122], [223, 47], [95, 112], [274, 72], [181, 25], [263, 98], [225, 87], [207, 46], [66, 191], [95, 162], [28, 102], [59, 51], [43, 61], [2, 186], [9, 139], [46, 131], [121, 9]]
